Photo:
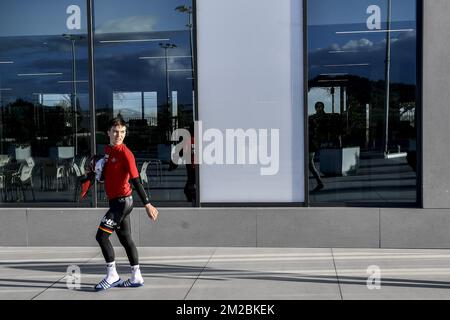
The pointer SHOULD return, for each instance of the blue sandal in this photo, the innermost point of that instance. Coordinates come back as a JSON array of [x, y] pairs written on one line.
[[129, 284], [105, 285]]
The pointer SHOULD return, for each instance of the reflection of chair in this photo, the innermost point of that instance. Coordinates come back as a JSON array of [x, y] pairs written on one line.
[[10, 170], [52, 173], [4, 159], [158, 168], [76, 174], [24, 178], [3, 187], [82, 165]]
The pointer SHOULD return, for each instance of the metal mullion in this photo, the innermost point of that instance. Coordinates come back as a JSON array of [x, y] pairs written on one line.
[[90, 29]]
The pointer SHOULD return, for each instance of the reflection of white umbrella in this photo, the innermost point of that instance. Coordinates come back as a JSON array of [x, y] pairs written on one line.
[[387, 78]]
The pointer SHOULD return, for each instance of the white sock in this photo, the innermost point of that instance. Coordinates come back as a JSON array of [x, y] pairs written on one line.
[[111, 272], [136, 276]]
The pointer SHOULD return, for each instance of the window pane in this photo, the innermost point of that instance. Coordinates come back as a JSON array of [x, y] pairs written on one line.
[[44, 116], [144, 72], [362, 101]]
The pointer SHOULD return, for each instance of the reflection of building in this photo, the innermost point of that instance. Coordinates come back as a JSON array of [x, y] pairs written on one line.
[[251, 81]]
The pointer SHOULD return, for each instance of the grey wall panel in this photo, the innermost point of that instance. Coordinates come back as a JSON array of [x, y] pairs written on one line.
[[319, 227], [264, 227], [200, 227], [13, 227], [68, 227], [415, 228], [436, 108]]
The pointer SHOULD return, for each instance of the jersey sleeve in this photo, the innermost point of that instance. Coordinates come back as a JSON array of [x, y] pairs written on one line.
[[130, 163]]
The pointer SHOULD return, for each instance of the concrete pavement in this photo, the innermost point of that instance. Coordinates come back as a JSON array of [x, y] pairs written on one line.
[[229, 273]]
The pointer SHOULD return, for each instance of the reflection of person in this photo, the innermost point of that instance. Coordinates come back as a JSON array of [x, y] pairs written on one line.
[[190, 186], [119, 167], [316, 126]]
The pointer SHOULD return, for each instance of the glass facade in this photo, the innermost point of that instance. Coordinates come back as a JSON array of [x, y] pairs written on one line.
[[362, 101], [143, 58], [362, 111], [44, 136], [143, 61]]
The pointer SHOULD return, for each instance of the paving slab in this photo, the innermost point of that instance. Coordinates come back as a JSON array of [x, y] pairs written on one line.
[[267, 273], [229, 273], [409, 274], [27, 272], [169, 273]]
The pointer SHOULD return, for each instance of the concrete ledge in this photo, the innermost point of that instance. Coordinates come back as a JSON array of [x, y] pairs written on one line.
[[247, 227], [415, 228]]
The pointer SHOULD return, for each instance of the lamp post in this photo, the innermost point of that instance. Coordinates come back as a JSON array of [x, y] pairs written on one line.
[[167, 46], [73, 96]]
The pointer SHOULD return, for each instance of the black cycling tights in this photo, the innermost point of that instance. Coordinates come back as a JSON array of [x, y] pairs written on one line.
[[117, 219]]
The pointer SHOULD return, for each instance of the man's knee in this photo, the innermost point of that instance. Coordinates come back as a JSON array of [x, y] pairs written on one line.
[[101, 236]]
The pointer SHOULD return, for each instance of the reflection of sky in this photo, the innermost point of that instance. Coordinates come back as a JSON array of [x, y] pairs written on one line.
[[322, 12], [139, 15], [42, 54], [38, 47], [48, 17], [327, 17], [37, 17], [118, 67]]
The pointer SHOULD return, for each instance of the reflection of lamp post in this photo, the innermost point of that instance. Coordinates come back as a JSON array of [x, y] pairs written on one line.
[[190, 25], [166, 46], [73, 96], [188, 10], [387, 79]]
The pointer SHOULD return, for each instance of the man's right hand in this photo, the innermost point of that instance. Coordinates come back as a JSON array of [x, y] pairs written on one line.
[[152, 212]]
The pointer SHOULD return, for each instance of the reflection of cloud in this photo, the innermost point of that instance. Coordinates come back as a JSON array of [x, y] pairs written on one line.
[[129, 24], [357, 44], [403, 58]]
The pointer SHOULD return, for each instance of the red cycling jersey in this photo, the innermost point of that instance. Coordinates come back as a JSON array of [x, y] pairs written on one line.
[[119, 168]]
